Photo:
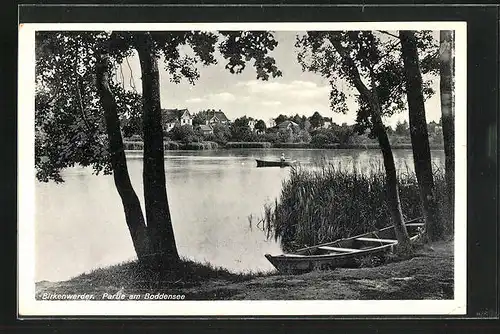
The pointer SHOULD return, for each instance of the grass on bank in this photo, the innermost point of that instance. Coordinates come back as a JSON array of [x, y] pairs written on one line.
[[329, 202], [427, 275], [136, 278]]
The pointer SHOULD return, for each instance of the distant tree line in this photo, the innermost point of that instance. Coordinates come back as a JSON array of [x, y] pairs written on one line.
[[316, 130]]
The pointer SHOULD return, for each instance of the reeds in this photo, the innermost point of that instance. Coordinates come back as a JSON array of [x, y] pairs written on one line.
[[330, 202]]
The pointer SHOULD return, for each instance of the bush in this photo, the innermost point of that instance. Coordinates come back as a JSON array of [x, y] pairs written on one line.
[[184, 134], [319, 140], [135, 138], [200, 146], [171, 145], [133, 145], [271, 137]]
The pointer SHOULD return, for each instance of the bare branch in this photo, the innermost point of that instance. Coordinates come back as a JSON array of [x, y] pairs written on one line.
[[132, 81], [388, 33]]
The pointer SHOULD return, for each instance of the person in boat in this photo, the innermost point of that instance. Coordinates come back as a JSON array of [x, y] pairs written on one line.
[[282, 159]]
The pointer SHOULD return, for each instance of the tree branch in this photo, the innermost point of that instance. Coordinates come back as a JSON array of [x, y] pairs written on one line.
[[390, 49], [79, 95], [354, 73], [388, 33]]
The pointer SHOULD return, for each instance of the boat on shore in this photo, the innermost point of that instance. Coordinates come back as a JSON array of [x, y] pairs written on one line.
[[267, 163], [344, 252]]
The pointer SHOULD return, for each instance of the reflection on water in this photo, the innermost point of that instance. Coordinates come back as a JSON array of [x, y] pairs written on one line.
[[80, 223]]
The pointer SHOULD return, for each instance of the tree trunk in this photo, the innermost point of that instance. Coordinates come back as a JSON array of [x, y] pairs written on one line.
[[391, 187], [419, 135], [155, 192], [448, 113], [404, 244], [130, 201]]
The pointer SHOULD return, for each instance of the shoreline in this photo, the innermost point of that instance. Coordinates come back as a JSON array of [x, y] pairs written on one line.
[[200, 146], [427, 275]]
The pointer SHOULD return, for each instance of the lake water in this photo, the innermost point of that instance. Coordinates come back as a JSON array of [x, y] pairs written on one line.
[[80, 224]]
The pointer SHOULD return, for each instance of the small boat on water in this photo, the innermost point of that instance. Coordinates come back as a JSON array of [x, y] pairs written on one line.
[[344, 252], [267, 163]]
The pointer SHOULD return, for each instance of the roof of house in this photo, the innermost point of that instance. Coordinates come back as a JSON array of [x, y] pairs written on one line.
[[172, 115], [219, 114], [285, 124], [204, 127]]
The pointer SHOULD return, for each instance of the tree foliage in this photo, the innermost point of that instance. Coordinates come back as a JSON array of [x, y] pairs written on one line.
[[199, 118], [316, 120], [402, 128], [377, 56], [280, 119], [183, 133], [260, 125], [68, 117]]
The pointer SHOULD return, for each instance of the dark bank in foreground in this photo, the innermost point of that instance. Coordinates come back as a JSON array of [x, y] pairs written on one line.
[[426, 275]]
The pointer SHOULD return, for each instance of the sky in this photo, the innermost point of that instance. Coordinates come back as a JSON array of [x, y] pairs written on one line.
[[296, 92]]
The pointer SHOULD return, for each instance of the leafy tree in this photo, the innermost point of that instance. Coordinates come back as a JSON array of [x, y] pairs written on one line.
[[343, 133], [75, 87], [316, 120], [329, 133], [371, 66], [435, 132], [285, 136], [297, 119], [184, 133], [260, 126], [306, 125], [240, 130], [221, 133], [446, 65], [419, 135], [280, 119], [131, 121], [402, 128], [271, 136], [432, 127], [389, 131], [199, 118], [319, 140], [241, 122], [303, 136]]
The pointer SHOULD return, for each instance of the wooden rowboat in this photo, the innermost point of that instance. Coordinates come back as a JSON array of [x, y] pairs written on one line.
[[264, 163], [344, 252]]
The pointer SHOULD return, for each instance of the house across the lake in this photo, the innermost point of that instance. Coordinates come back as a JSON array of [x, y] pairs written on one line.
[[171, 117], [251, 124], [288, 125], [206, 129], [215, 117], [327, 122]]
